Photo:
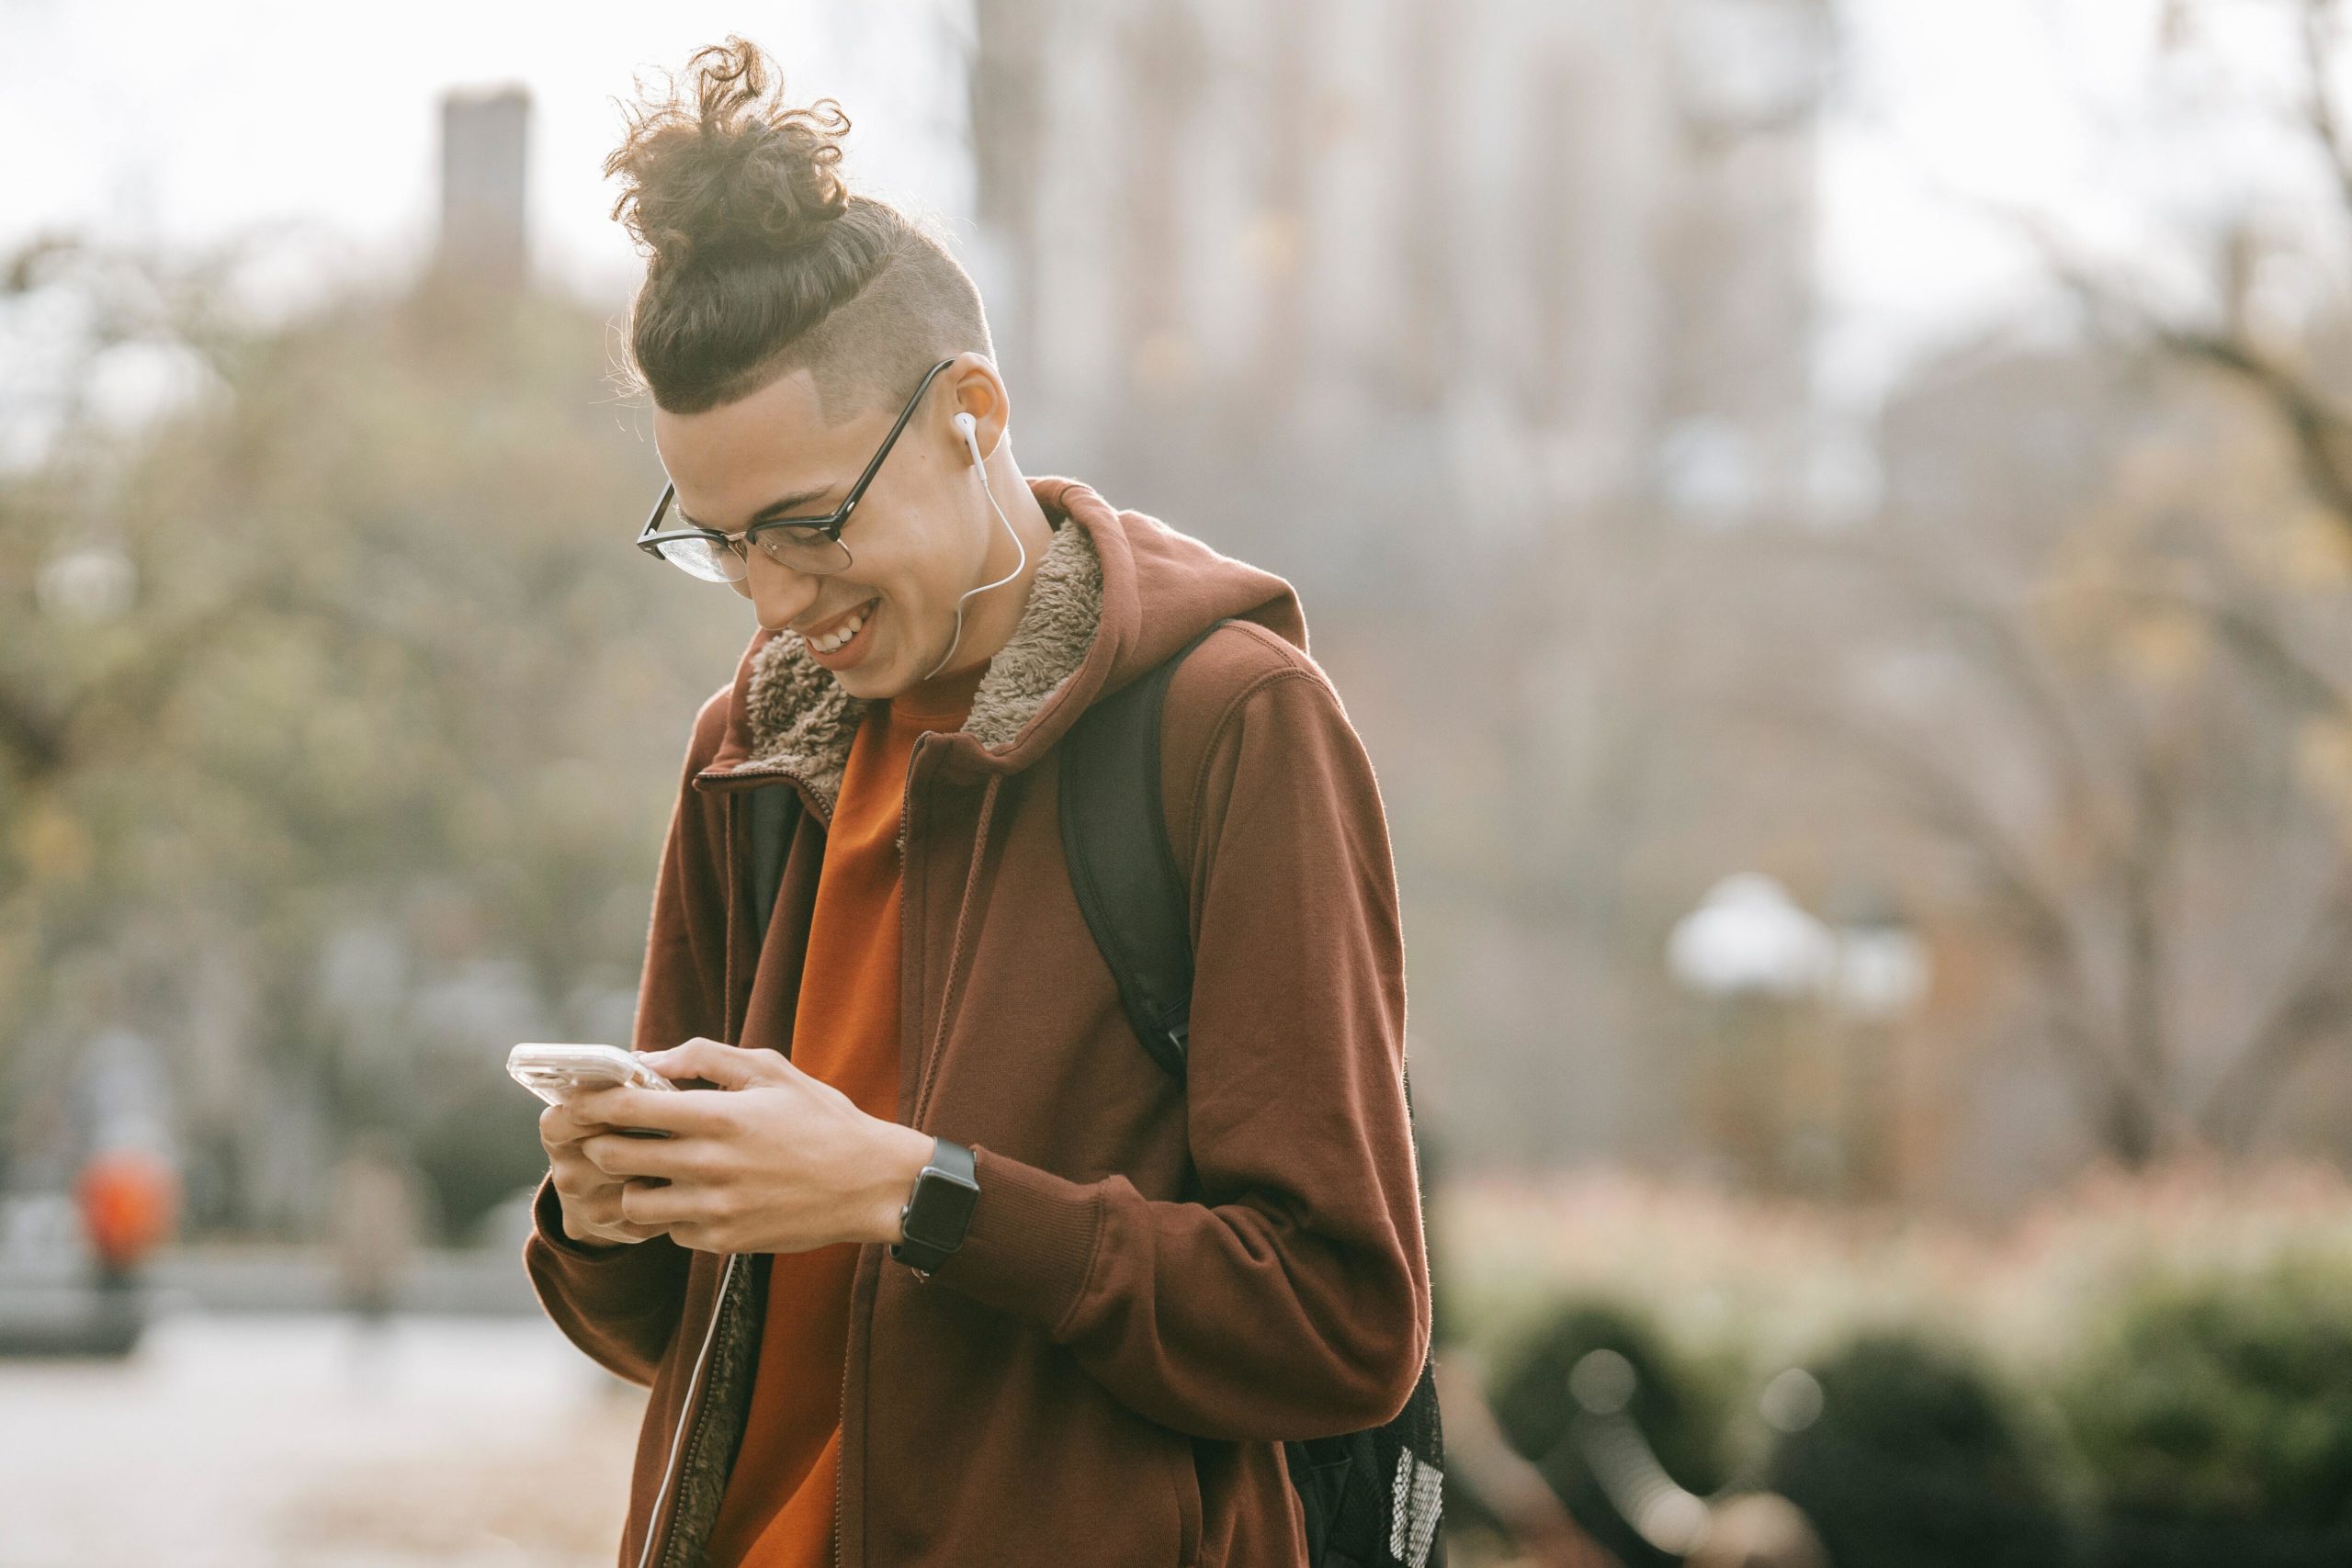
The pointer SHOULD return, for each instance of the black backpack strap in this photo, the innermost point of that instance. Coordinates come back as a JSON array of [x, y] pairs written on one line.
[[1369, 1499], [1115, 838], [775, 811]]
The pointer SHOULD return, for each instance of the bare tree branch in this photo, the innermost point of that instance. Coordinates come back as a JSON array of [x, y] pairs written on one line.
[[2034, 917], [2283, 670], [2316, 1001], [2323, 435], [2014, 662], [2319, 100], [2322, 438]]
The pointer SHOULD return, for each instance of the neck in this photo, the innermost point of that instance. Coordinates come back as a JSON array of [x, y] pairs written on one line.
[[989, 617]]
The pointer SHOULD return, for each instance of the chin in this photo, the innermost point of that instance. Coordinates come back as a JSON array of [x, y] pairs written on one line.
[[875, 680]]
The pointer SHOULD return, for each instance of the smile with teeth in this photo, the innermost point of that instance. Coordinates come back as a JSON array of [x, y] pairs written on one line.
[[843, 631]]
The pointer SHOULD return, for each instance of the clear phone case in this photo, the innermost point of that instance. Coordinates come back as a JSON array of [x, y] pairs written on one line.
[[555, 1071]]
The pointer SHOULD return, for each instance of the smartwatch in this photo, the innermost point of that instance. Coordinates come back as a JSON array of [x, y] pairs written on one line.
[[939, 1208]]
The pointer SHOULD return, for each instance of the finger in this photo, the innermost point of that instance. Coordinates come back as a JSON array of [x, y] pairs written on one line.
[[604, 1221], [729, 1067], [702, 1236], [593, 1108], [560, 1124], [666, 1111], [626, 1105], [662, 1207], [592, 1205], [576, 1176], [620, 1156]]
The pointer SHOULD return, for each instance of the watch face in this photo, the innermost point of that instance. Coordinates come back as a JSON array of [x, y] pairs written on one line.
[[941, 1209]]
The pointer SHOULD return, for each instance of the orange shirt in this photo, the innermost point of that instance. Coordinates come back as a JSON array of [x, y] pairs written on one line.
[[778, 1509]]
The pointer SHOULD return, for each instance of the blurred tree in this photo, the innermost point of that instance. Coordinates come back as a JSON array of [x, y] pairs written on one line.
[[2098, 646], [2146, 824], [2276, 327], [333, 695]]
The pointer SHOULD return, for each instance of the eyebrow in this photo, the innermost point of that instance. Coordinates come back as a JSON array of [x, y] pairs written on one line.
[[775, 508]]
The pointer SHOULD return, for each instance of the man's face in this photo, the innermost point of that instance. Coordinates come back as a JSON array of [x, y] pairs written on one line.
[[916, 542]]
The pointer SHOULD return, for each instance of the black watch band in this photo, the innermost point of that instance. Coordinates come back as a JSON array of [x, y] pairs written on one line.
[[939, 1208]]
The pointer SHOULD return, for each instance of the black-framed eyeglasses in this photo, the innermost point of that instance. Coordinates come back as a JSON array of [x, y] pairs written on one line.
[[810, 545]]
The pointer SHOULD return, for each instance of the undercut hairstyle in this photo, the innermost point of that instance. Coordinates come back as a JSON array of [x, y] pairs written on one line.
[[759, 259]]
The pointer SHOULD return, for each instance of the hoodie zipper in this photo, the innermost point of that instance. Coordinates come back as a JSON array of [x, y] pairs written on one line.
[[725, 780], [774, 772], [926, 1062], [840, 1456], [687, 1412], [691, 1412]]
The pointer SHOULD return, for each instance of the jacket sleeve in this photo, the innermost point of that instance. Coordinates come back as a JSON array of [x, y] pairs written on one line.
[[621, 1302], [1292, 1299]]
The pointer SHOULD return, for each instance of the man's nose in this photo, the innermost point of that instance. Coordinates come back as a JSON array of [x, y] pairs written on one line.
[[778, 591]]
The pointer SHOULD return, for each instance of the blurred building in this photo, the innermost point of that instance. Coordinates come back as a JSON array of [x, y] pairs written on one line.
[[1458, 315], [1405, 267], [485, 144]]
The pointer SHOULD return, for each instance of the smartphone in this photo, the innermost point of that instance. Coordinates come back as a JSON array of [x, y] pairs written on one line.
[[556, 1073]]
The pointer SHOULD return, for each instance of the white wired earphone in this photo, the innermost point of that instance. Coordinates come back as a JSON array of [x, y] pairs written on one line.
[[969, 428]]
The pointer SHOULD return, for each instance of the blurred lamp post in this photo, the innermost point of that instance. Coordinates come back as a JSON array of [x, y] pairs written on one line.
[[1804, 1023], [1881, 974], [1881, 971], [1755, 958], [1747, 937]]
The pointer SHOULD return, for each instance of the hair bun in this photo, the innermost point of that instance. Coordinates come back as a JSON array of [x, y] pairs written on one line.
[[725, 167]]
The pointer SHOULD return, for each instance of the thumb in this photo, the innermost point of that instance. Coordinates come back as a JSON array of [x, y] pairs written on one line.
[[729, 1067]]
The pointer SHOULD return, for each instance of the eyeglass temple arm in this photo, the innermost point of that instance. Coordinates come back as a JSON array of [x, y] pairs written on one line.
[[653, 521], [839, 519]]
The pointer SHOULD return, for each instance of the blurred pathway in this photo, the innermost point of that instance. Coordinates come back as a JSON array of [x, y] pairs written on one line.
[[271, 1440]]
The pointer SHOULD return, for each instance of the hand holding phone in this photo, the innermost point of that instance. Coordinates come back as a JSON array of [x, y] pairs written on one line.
[[591, 1200]]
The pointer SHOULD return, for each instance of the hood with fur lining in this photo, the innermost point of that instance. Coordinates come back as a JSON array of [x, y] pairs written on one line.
[[1116, 592]]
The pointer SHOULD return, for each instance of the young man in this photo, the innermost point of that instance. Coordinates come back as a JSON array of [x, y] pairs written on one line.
[[1159, 1280]]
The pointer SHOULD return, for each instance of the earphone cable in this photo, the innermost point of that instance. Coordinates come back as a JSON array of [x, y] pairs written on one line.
[[971, 441]]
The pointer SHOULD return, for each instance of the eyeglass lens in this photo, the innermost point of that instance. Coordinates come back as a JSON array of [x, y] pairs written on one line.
[[810, 551]]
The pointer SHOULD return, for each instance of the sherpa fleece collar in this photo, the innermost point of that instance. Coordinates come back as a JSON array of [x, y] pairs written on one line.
[[801, 719]]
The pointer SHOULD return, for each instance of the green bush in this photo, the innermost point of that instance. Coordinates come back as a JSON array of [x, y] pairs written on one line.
[[2214, 1415], [1915, 1462]]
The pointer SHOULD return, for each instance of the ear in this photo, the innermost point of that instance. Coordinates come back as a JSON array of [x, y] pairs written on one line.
[[978, 391]]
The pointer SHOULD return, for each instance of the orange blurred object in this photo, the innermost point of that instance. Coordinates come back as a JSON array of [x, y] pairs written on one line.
[[130, 1200]]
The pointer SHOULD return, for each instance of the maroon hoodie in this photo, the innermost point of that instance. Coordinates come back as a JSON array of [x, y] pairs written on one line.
[[1162, 1282]]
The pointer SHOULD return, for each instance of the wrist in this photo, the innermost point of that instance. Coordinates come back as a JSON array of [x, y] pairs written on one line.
[[904, 1152]]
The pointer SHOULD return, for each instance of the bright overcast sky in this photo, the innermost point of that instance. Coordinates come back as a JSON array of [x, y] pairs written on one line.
[[1950, 117], [191, 122]]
